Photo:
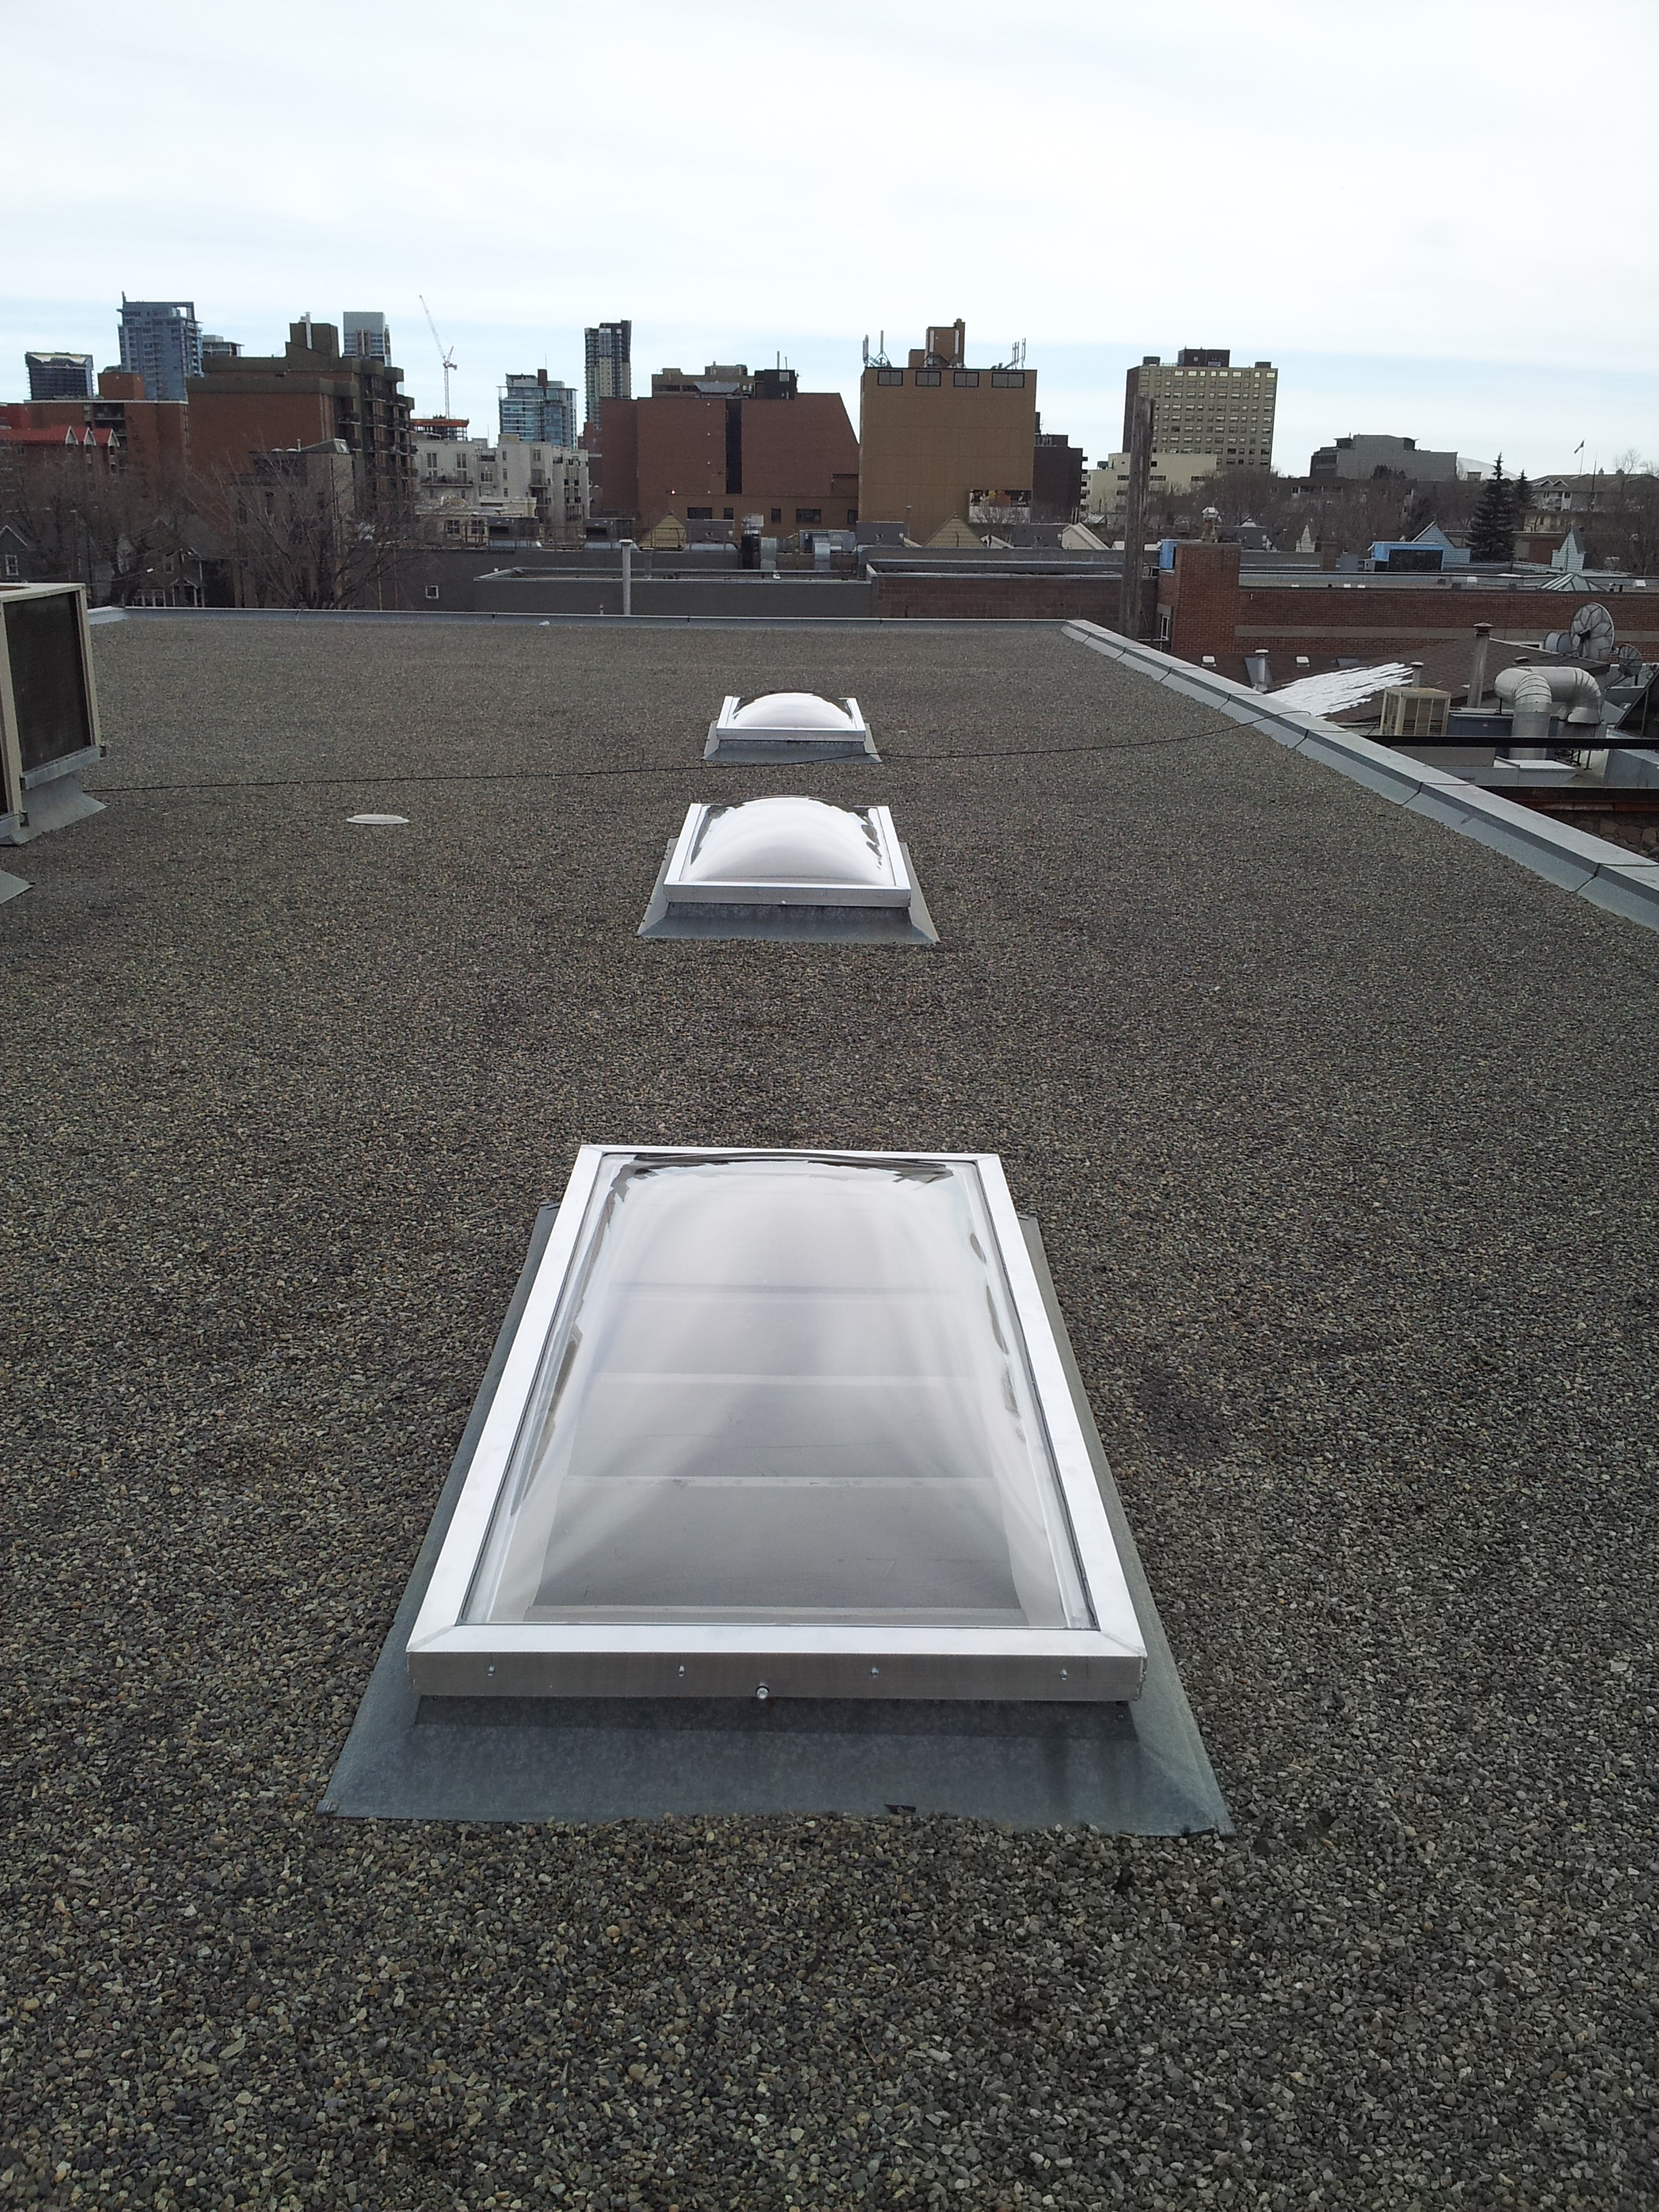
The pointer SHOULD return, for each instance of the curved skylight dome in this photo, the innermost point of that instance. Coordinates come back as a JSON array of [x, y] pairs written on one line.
[[792, 710], [786, 841]]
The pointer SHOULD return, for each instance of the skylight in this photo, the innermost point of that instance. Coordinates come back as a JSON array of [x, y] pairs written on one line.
[[788, 725], [787, 851], [781, 1424]]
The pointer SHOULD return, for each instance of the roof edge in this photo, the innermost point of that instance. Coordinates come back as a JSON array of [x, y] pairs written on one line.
[[1607, 875]]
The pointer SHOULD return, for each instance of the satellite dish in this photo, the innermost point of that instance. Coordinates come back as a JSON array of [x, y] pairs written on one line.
[[1591, 632]]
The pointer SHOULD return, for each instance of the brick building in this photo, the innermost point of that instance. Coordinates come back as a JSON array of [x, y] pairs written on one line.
[[150, 438], [1056, 477], [937, 439], [787, 455], [308, 395]]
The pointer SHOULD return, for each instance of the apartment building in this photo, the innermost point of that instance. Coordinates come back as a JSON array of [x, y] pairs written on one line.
[[161, 341], [608, 365], [305, 396], [938, 440], [539, 408], [60, 375], [1201, 404], [364, 336], [148, 439], [522, 488]]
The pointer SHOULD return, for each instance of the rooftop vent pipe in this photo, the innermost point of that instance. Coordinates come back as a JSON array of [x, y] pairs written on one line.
[[1527, 696], [1575, 688]]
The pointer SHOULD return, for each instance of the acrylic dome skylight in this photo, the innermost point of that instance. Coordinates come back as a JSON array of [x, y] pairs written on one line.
[[787, 851], [788, 725], [780, 713], [781, 1424]]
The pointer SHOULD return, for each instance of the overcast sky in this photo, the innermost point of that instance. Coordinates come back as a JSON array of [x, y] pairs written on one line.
[[1437, 216]]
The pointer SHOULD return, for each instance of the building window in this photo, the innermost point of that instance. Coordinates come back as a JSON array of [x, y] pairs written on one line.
[[13, 566], [928, 376], [432, 591], [699, 515], [966, 379], [777, 515], [726, 514], [1007, 380], [890, 376], [809, 514]]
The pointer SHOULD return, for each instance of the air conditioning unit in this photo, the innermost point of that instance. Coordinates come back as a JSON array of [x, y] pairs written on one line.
[[48, 710], [1413, 711]]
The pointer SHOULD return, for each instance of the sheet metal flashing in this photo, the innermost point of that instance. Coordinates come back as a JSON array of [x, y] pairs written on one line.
[[1131, 1770], [1607, 875], [780, 924]]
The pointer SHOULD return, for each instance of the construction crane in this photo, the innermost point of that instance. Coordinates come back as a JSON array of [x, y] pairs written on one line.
[[447, 358]]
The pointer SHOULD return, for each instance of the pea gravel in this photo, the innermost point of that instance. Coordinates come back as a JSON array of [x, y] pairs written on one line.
[[1339, 1128]]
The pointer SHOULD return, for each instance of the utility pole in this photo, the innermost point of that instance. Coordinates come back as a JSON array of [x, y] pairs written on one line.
[[1134, 513]]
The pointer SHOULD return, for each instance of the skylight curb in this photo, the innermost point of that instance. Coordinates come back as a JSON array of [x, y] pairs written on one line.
[[1570, 858], [1121, 1770], [778, 924]]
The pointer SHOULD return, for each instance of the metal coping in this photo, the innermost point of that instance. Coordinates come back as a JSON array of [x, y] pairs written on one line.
[[1139, 1769], [1607, 875]]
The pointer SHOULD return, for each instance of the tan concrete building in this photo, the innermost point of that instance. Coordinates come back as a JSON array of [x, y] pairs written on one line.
[[1202, 405], [937, 439], [1171, 476]]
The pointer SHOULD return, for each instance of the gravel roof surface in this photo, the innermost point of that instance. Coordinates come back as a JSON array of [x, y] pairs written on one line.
[[1339, 1128]]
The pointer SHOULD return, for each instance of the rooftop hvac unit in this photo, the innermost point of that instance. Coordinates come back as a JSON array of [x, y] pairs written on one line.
[[1412, 711], [48, 710]]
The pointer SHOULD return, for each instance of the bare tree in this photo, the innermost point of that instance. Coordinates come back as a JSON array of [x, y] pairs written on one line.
[[95, 520], [298, 531]]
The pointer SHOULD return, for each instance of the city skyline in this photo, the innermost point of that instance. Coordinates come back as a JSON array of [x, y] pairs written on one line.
[[1362, 214]]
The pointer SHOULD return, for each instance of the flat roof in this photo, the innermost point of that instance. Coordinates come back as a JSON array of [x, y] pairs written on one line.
[[1338, 1126]]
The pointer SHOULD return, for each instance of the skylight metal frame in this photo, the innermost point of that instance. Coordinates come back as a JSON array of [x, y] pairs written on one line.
[[448, 1655], [680, 890]]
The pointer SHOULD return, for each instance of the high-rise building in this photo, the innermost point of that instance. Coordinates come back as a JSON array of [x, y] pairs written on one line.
[[161, 341], [214, 348], [538, 410], [60, 375], [608, 351], [364, 337], [940, 441], [1202, 405]]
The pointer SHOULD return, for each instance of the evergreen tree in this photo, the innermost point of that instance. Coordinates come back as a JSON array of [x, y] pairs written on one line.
[[1492, 526]]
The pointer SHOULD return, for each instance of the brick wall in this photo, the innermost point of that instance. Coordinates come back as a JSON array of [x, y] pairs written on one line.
[[1333, 616], [1198, 601], [999, 598]]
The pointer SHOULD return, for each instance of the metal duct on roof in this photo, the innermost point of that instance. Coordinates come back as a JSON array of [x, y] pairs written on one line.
[[1575, 688], [1530, 705]]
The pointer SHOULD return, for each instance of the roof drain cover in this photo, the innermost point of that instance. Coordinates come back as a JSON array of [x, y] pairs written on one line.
[[798, 1418], [789, 725], [788, 868]]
